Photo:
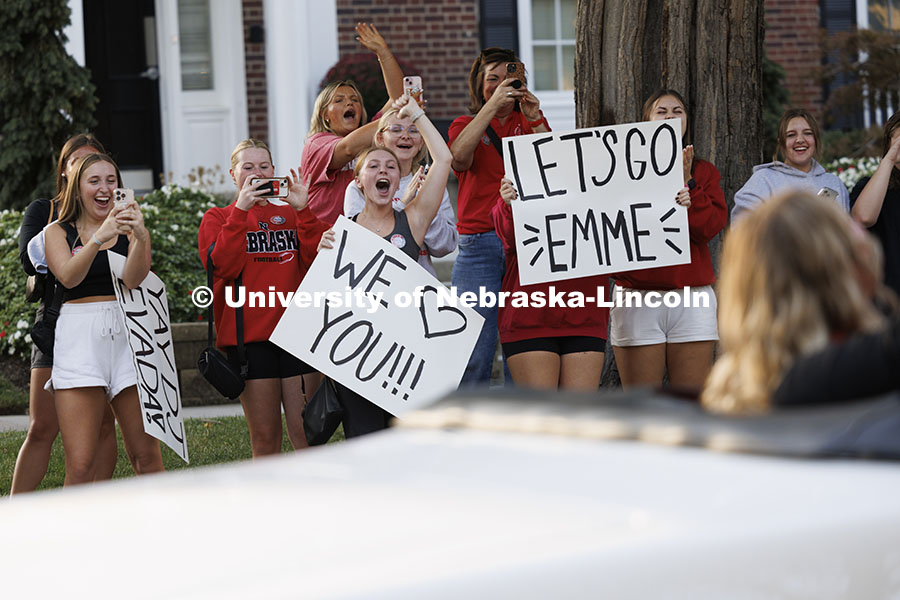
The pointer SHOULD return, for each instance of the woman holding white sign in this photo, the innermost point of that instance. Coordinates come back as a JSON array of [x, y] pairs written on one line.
[[92, 360], [43, 426], [501, 106], [652, 338], [262, 245], [548, 347], [378, 176]]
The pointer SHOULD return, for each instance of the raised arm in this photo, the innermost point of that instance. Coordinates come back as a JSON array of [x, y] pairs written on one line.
[[137, 265], [869, 201], [422, 210], [352, 144], [463, 146], [367, 35]]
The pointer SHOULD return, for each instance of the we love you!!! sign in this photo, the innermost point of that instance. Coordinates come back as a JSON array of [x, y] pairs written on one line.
[[373, 319]]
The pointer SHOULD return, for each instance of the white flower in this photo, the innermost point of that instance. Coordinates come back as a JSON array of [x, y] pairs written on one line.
[[27, 338], [22, 324], [171, 238], [174, 227]]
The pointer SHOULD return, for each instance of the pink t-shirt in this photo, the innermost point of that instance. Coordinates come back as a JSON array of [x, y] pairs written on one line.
[[326, 190]]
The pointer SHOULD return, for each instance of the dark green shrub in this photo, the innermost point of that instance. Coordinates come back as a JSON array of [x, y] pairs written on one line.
[[45, 97]]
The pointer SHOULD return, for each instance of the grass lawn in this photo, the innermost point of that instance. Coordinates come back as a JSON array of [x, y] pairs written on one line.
[[210, 442]]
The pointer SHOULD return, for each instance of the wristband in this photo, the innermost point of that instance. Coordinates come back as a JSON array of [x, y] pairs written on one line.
[[537, 123], [413, 118], [96, 240]]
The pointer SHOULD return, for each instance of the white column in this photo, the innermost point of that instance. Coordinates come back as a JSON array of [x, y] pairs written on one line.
[[75, 32], [301, 45]]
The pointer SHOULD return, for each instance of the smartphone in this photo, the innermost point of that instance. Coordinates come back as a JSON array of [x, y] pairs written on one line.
[[276, 187], [122, 196], [516, 70], [412, 85], [827, 192]]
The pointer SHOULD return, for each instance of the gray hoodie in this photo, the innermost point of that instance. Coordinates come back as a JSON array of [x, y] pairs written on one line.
[[774, 177]]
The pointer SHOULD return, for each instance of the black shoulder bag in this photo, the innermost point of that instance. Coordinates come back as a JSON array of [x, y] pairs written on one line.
[[43, 333], [214, 367]]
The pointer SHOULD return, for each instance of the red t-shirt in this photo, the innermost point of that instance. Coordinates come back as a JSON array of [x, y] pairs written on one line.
[[518, 323], [707, 216], [479, 185], [267, 246], [327, 187]]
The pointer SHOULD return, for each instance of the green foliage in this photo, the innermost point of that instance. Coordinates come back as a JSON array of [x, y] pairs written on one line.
[[172, 215], [855, 143], [775, 100], [16, 315], [45, 97], [364, 70]]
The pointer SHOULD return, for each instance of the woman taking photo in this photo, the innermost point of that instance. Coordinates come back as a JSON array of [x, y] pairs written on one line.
[[404, 139], [795, 278], [378, 176], [648, 342], [92, 361], [34, 456], [799, 141], [875, 202], [275, 378], [502, 106], [548, 347], [338, 130]]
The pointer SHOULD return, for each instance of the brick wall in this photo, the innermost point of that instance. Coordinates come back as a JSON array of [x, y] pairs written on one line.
[[792, 40], [439, 37], [255, 68]]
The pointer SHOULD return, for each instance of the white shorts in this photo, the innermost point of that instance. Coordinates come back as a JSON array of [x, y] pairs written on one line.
[[91, 349], [645, 325]]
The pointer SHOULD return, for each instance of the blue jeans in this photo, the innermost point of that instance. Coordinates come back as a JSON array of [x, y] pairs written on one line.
[[481, 263]]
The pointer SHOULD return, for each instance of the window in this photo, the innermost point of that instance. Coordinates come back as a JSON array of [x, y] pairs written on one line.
[[884, 15], [196, 46], [553, 44]]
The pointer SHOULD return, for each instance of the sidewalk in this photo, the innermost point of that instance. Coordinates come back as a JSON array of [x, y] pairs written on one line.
[[20, 422]]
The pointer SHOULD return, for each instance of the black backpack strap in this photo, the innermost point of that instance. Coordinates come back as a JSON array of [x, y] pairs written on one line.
[[238, 314], [495, 139]]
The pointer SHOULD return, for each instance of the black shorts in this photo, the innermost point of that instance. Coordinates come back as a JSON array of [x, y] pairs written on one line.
[[39, 360], [265, 360], [566, 344]]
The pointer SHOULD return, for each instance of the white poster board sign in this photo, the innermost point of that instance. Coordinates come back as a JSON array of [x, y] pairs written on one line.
[[598, 200], [146, 312], [371, 318]]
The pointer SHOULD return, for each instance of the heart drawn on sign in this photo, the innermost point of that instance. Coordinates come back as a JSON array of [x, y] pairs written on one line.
[[438, 322]]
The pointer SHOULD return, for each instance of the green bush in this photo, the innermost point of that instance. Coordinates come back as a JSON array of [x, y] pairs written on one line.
[[172, 215]]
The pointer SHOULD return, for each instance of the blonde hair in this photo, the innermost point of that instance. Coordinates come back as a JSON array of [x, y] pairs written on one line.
[[318, 124], [789, 282], [362, 156], [383, 124], [248, 143], [70, 204]]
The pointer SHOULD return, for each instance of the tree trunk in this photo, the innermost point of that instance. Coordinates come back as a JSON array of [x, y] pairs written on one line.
[[709, 50]]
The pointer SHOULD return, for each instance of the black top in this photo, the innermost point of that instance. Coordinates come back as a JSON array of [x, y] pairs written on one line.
[[887, 230], [36, 217], [862, 366], [401, 236], [98, 281]]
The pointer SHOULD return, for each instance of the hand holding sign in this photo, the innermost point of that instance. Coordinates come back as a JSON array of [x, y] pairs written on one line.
[[596, 201], [380, 328]]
